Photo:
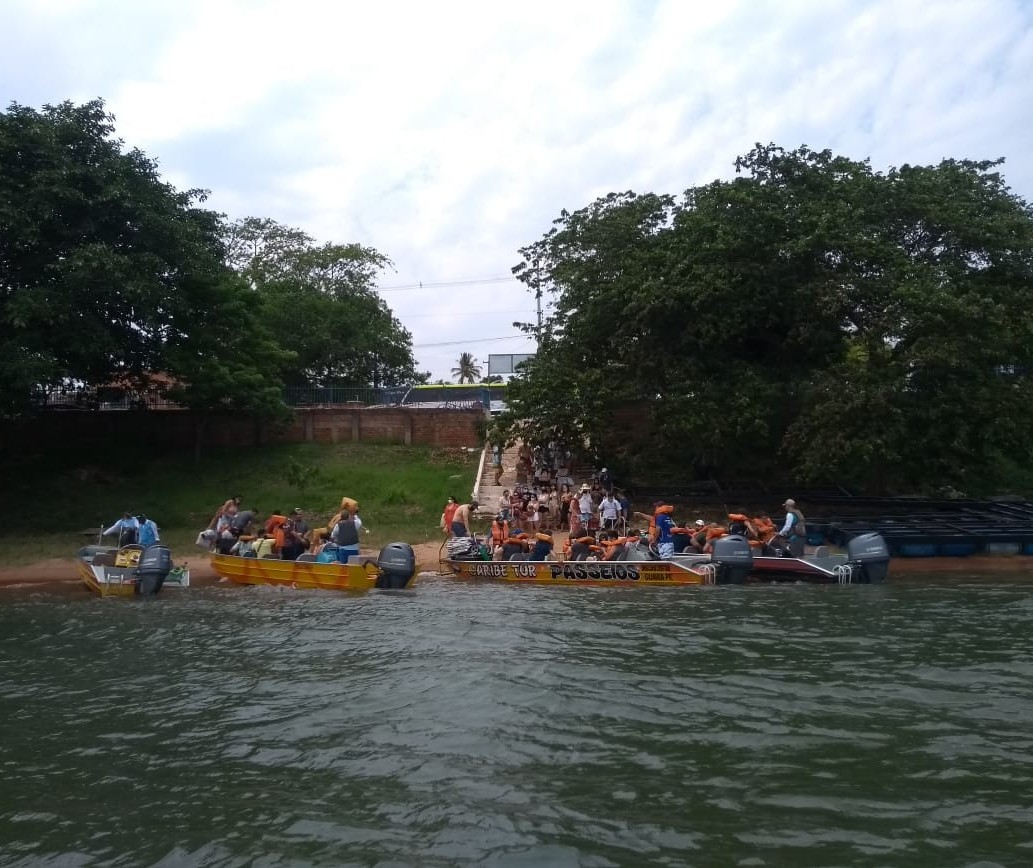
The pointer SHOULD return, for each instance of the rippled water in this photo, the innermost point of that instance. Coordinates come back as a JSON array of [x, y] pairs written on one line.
[[502, 725]]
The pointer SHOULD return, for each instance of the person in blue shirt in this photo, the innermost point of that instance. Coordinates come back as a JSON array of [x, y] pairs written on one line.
[[664, 538], [542, 547], [127, 528], [148, 531]]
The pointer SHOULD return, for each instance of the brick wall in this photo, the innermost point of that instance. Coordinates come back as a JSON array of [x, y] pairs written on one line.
[[61, 430]]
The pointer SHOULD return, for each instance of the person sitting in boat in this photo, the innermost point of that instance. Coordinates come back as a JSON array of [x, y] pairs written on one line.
[[499, 530], [514, 545], [794, 529], [127, 528], [612, 544], [295, 536], [148, 531], [230, 508], [583, 548], [681, 537], [542, 547], [712, 532], [764, 527]]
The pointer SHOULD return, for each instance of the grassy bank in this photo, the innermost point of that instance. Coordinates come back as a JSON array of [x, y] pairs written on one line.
[[52, 508]]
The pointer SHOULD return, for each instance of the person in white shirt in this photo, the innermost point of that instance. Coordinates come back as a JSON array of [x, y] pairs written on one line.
[[127, 528], [609, 512], [584, 502]]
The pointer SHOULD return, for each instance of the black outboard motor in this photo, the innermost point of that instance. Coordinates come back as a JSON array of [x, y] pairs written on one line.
[[869, 555], [154, 565], [397, 562], [733, 558]]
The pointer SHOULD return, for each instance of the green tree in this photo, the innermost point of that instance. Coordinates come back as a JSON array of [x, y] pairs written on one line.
[[96, 252], [466, 370], [811, 317], [319, 302]]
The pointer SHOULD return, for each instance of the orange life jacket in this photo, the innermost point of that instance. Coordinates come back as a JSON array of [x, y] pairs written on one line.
[[499, 532]]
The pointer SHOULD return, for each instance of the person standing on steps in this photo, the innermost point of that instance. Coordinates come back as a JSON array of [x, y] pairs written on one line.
[[496, 461]]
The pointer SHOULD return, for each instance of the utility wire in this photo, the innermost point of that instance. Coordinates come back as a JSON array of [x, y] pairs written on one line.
[[475, 341], [422, 285]]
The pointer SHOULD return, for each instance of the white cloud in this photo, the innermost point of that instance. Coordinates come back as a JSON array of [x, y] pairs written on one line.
[[449, 135]]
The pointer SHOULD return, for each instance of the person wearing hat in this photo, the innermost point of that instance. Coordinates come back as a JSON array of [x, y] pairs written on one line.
[[584, 502], [794, 530], [606, 481], [296, 535]]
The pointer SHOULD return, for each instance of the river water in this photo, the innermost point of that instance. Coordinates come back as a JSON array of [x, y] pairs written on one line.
[[520, 726]]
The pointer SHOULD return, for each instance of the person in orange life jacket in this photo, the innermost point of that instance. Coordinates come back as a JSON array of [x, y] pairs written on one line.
[[681, 537], [698, 535], [664, 539], [499, 530], [542, 547]]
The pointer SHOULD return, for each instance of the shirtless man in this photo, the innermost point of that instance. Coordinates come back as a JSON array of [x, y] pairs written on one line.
[[461, 519]]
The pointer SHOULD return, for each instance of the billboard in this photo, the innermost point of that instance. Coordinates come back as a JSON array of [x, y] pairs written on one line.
[[506, 363]]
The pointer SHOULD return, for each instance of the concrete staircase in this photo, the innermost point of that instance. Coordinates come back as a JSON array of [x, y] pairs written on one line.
[[487, 493]]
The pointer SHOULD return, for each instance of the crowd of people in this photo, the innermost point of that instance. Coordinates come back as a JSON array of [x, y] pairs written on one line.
[[599, 523], [235, 530]]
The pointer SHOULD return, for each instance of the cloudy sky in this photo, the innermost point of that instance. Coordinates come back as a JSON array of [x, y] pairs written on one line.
[[448, 135]]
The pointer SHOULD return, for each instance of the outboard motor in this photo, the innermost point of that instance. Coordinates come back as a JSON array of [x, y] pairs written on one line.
[[397, 562], [733, 558], [154, 565], [870, 556]]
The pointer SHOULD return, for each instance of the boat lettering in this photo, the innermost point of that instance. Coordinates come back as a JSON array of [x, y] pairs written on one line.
[[589, 570], [490, 571]]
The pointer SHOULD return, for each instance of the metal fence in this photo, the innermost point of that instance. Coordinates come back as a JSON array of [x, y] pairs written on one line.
[[443, 397]]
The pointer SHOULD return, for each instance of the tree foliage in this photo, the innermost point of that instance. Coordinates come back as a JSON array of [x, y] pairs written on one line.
[[466, 370], [108, 275], [319, 302], [811, 318]]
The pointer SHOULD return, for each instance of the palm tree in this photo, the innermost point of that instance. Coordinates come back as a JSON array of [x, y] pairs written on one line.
[[467, 369]]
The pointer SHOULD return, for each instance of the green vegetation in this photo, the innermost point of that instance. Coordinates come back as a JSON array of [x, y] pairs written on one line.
[[811, 320], [111, 277], [51, 510]]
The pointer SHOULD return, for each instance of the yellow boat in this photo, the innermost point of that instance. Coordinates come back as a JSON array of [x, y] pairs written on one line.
[[129, 571], [666, 573], [731, 563], [394, 569]]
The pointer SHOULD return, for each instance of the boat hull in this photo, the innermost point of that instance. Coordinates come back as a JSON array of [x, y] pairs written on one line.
[[690, 570], [116, 573], [604, 573], [306, 575]]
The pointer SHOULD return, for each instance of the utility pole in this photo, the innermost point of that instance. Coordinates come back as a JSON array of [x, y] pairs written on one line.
[[538, 302]]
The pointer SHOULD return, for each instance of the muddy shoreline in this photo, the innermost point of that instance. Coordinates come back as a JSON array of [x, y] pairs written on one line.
[[58, 570]]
